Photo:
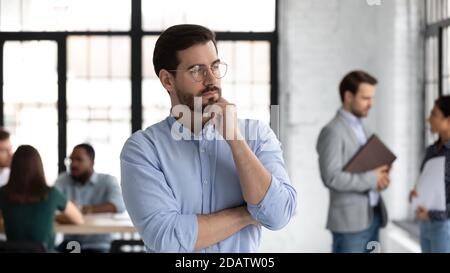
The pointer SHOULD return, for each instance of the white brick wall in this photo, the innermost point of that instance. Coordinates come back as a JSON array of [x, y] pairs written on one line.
[[320, 41]]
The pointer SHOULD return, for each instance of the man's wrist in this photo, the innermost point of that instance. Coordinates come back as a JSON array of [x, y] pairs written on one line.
[[237, 139], [245, 215]]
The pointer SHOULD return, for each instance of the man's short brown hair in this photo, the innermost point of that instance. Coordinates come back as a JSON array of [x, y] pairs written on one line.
[[352, 80], [177, 38]]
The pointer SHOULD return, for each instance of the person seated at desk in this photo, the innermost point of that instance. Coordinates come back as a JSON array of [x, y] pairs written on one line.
[[92, 192], [5, 161], [28, 205], [5, 156]]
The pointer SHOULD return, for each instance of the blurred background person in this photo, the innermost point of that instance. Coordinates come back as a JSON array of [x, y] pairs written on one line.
[[435, 224], [92, 192], [28, 205], [5, 156], [356, 209]]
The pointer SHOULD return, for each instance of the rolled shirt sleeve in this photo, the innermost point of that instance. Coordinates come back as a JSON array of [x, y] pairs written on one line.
[[150, 201], [279, 204]]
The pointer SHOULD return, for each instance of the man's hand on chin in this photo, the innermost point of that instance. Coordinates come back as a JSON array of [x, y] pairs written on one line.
[[224, 116]]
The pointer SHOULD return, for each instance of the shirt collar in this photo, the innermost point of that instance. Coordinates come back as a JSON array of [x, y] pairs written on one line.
[[182, 132], [93, 179], [350, 117]]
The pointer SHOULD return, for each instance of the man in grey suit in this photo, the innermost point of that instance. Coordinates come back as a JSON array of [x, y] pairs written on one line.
[[356, 210]]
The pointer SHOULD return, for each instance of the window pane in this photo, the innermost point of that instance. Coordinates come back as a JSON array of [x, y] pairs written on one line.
[[247, 82], [99, 97], [57, 15], [155, 100], [30, 96], [99, 57], [219, 16], [431, 81], [437, 10], [446, 61]]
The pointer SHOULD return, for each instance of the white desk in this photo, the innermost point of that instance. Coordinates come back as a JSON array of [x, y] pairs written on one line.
[[97, 224]]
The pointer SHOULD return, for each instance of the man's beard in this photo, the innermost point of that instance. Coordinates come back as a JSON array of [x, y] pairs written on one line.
[[358, 113], [187, 99], [84, 177]]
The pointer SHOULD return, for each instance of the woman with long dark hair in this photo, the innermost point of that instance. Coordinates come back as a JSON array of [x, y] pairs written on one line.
[[28, 205], [435, 224]]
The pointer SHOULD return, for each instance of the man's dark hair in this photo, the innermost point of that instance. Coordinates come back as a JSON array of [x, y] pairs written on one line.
[[88, 148], [4, 135], [443, 103], [352, 80], [177, 38]]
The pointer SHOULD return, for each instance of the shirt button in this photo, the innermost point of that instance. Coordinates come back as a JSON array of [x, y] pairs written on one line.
[[205, 181]]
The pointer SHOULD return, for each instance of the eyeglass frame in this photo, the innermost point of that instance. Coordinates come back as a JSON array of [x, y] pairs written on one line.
[[217, 62]]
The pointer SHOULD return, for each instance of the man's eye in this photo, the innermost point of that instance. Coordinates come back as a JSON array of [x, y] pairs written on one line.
[[196, 69]]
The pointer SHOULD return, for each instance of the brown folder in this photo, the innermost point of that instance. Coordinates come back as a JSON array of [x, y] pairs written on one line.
[[372, 155]]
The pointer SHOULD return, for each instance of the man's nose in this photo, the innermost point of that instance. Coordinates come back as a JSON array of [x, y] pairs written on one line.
[[209, 78]]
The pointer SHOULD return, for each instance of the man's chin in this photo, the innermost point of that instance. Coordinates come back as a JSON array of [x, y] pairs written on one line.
[[364, 114], [75, 176]]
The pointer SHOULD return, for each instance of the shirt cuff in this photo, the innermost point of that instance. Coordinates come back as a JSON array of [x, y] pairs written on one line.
[[187, 232], [372, 180], [258, 211]]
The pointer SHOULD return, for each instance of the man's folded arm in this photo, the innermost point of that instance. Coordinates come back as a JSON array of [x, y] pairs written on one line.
[[279, 203], [154, 211]]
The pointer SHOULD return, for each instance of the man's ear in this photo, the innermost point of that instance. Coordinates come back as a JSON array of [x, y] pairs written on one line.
[[167, 80], [348, 97]]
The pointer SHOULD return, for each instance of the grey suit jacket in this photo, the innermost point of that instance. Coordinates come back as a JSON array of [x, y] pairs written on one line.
[[349, 208]]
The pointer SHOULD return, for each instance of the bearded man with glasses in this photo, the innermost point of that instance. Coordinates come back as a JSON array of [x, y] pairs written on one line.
[[202, 180]]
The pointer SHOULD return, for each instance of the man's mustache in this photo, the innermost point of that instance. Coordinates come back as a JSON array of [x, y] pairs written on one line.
[[211, 88]]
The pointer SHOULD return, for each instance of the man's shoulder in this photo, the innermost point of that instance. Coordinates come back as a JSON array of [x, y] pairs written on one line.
[[333, 125], [253, 124], [151, 132], [105, 178], [255, 130], [147, 138]]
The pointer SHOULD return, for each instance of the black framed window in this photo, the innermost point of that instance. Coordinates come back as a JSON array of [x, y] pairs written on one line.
[[437, 58], [31, 114], [99, 84]]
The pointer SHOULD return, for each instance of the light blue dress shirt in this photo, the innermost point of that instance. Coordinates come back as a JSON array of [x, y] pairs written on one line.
[[99, 189], [169, 175], [357, 125]]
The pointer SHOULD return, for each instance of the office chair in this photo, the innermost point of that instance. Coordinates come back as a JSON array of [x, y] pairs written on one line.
[[127, 246], [21, 247]]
